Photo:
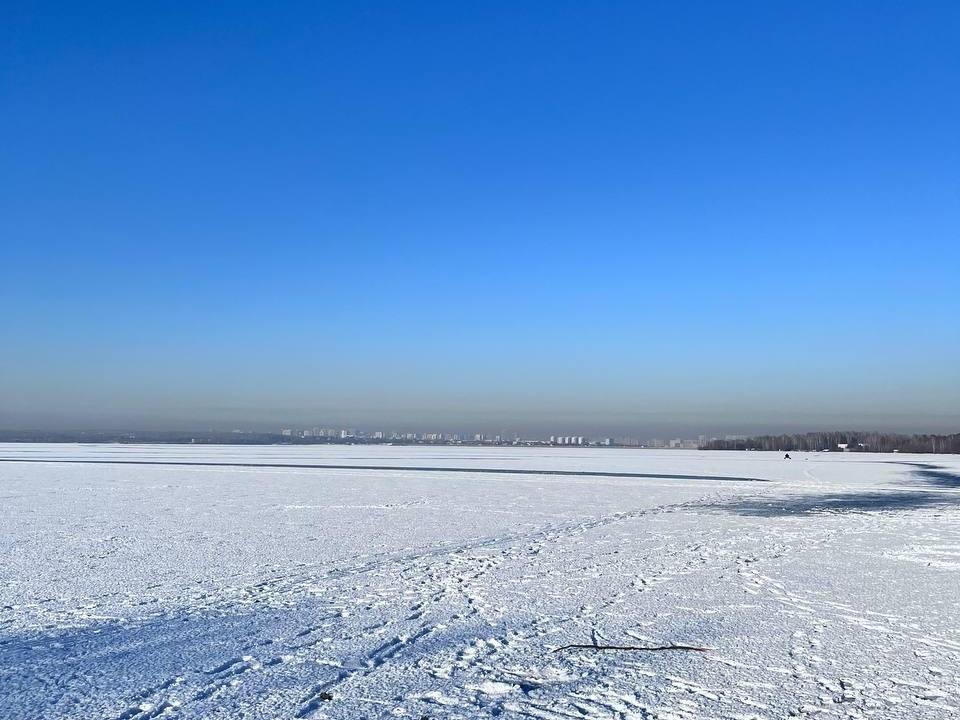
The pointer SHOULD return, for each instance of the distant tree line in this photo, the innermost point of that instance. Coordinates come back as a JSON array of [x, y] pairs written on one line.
[[850, 441]]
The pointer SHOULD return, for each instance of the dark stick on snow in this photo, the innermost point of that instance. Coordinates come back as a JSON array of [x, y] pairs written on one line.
[[646, 648]]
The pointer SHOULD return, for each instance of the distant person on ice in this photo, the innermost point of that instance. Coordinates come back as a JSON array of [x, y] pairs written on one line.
[[786, 456]]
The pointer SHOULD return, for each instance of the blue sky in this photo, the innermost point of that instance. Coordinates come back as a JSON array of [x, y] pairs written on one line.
[[580, 217]]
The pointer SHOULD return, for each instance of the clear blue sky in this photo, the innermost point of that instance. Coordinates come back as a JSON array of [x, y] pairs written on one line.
[[592, 216]]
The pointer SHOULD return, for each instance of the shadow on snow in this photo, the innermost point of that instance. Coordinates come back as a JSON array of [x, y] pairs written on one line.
[[932, 478], [398, 468], [935, 475]]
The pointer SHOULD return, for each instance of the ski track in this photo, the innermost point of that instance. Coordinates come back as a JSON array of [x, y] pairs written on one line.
[[810, 614]]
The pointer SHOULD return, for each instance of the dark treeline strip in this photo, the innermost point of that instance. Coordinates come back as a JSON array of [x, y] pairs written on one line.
[[853, 442]]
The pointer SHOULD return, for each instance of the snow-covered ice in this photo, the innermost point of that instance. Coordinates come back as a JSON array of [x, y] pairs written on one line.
[[437, 582]]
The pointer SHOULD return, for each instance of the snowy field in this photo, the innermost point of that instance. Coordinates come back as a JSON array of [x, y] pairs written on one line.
[[439, 583]]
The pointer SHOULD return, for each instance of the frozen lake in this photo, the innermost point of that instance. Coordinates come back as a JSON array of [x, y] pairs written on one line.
[[356, 581]]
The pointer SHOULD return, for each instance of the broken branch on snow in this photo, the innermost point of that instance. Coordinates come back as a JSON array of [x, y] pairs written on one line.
[[646, 648]]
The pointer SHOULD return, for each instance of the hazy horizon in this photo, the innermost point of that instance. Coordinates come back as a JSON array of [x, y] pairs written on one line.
[[637, 425]]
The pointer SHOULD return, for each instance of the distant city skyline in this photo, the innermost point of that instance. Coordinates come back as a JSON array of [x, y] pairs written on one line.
[[483, 438], [640, 430], [647, 218]]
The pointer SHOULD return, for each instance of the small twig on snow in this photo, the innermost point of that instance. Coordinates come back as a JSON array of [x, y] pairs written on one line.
[[645, 648]]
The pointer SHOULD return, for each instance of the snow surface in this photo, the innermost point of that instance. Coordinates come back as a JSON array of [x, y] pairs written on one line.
[[827, 586]]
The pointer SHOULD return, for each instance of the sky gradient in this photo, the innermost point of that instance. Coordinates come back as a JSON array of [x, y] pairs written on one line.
[[572, 217]]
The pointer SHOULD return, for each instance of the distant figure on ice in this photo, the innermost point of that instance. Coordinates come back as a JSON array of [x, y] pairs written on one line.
[[786, 456]]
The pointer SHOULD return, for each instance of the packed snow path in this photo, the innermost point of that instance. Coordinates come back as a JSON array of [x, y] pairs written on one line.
[[230, 586]]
